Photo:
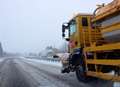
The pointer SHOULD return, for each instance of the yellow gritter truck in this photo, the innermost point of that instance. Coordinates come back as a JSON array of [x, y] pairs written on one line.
[[94, 43]]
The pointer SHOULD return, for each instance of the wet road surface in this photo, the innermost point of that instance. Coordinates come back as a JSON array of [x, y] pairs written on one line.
[[20, 72]]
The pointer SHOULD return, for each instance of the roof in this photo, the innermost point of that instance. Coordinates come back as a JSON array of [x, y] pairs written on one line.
[[79, 14]]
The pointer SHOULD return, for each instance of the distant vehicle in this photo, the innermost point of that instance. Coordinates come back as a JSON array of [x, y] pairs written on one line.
[[94, 43], [55, 56]]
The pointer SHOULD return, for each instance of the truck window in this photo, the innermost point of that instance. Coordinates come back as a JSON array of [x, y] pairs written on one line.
[[84, 21]]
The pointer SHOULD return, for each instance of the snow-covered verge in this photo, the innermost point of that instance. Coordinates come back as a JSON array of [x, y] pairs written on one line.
[[47, 62]]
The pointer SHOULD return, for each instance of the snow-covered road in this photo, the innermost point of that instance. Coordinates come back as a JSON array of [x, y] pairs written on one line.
[[22, 72]]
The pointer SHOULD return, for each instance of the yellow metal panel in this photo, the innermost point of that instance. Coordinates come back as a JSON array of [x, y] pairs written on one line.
[[106, 47], [111, 28], [111, 11], [104, 62], [105, 76]]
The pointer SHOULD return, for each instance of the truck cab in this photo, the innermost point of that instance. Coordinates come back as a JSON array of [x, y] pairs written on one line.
[[74, 29], [76, 32]]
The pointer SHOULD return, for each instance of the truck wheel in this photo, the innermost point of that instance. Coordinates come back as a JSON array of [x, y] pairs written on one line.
[[81, 75]]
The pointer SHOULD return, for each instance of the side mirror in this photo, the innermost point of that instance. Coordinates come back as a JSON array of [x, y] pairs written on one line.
[[65, 31], [67, 39]]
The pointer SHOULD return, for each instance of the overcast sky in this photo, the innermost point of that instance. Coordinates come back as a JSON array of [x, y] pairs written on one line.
[[31, 25]]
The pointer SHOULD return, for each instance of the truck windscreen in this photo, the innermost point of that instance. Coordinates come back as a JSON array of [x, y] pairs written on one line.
[[72, 28]]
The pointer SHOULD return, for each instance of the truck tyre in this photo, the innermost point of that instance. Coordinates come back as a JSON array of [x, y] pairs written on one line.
[[81, 75]]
